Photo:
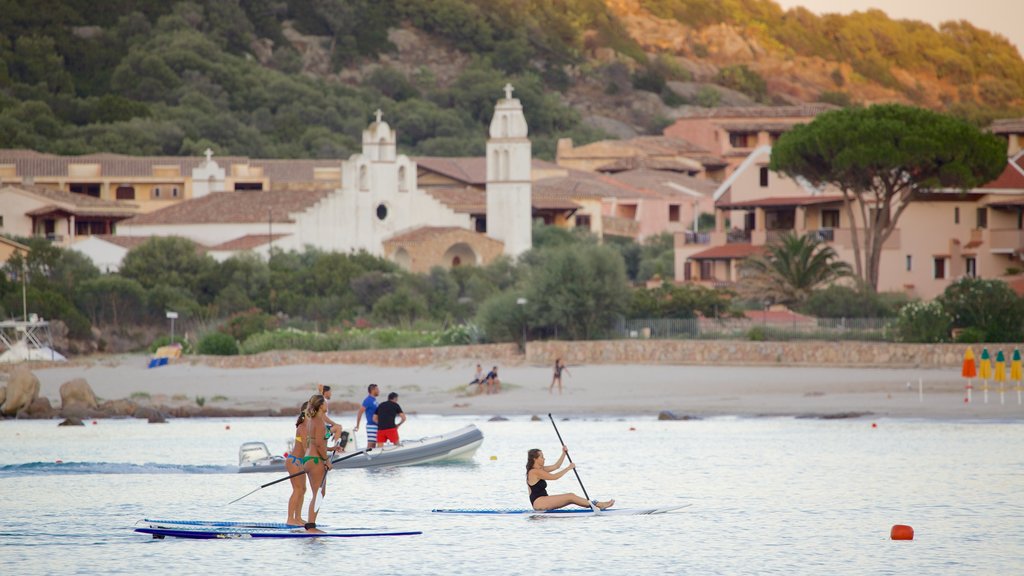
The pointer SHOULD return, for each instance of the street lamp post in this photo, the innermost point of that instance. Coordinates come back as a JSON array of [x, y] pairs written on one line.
[[522, 303], [172, 316]]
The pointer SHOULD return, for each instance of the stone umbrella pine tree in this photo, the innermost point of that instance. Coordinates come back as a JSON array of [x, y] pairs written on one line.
[[880, 158]]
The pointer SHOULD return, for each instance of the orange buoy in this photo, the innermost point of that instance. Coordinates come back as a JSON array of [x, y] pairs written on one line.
[[901, 532]]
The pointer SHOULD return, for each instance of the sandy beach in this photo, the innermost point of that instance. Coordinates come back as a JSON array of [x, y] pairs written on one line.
[[588, 389]]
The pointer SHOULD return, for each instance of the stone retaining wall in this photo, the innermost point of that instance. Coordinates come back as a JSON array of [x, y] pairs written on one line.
[[495, 353]]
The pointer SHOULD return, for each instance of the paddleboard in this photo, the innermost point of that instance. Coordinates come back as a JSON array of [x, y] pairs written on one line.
[[219, 524], [235, 533], [561, 511]]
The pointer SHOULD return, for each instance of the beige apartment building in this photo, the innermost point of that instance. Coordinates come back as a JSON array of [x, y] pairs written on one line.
[[943, 235], [149, 183], [733, 133]]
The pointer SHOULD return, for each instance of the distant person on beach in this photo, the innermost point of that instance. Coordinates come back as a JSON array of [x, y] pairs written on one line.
[[293, 463], [478, 379], [559, 368], [537, 475], [317, 462], [493, 383], [334, 429], [369, 408], [387, 413]]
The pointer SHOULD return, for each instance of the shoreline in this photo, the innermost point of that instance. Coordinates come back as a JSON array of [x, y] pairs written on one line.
[[595, 389]]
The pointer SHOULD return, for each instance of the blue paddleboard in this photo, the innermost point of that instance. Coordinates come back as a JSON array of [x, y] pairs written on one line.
[[237, 532]]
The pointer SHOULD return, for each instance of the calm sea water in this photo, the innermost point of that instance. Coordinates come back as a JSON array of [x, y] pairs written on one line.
[[767, 496]]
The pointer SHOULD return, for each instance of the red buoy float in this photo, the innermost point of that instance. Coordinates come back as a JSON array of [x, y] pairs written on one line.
[[901, 532]]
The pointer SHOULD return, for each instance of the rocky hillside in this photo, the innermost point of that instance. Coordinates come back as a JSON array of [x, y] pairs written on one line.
[[300, 78]]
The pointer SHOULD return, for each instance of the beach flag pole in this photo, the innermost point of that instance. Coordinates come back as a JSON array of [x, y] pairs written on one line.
[[1015, 371], [920, 389], [969, 371], [1000, 374], [985, 371]]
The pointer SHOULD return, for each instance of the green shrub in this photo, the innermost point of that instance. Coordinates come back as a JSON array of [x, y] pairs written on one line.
[[218, 344], [756, 334], [991, 306], [244, 324], [925, 322], [970, 336]]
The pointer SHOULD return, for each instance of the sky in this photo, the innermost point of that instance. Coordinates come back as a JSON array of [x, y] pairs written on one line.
[[1004, 17]]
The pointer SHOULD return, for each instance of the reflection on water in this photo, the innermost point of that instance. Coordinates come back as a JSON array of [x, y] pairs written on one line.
[[767, 495]]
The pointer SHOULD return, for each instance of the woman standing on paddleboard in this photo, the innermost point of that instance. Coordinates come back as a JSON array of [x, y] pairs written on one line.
[[293, 462], [537, 475], [317, 462]]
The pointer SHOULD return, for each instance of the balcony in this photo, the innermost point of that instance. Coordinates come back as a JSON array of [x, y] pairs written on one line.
[[691, 237], [1004, 240], [615, 226]]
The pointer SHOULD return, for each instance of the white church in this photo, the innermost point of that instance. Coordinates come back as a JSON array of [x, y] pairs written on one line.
[[419, 215]]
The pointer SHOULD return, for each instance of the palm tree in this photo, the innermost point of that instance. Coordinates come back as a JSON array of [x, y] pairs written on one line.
[[791, 269]]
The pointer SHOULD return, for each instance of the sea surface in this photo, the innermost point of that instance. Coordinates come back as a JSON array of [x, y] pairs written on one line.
[[765, 496]]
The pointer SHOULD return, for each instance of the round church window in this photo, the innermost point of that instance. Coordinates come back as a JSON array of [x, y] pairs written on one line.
[[382, 211]]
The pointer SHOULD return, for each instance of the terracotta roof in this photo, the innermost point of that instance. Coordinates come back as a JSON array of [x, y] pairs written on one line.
[[1008, 126], [542, 200], [465, 200], [13, 244], [637, 162], [76, 204], [1012, 177], [576, 187], [727, 252], [666, 184], [247, 242], [423, 233], [781, 201], [32, 164], [235, 208], [801, 111], [757, 126], [128, 242], [466, 170]]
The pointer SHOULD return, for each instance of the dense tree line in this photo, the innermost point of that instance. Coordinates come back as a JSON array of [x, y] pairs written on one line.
[[176, 77]]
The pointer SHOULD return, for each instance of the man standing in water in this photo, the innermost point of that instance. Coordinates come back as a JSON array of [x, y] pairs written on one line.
[[386, 414], [369, 408]]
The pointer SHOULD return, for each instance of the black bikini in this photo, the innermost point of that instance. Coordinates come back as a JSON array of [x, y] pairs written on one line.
[[537, 490]]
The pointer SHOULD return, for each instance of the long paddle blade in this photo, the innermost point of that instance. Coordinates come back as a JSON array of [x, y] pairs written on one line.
[[578, 479]]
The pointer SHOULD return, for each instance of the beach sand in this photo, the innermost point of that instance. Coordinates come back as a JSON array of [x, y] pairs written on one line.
[[590, 389]]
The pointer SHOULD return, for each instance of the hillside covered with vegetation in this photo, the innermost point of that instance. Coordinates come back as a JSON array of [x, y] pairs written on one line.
[[301, 78]]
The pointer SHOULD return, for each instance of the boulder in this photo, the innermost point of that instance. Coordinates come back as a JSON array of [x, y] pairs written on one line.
[[670, 415], [151, 414], [498, 419], [3, 394], [40, 408], [120, 407], [71, 422], [77, 398], [535, 418], [22, 390]]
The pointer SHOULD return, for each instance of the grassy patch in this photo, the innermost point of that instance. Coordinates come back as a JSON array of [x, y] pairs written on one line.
[[219, 398], [140, 396]]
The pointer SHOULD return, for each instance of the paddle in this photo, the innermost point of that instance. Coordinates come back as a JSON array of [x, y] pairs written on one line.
[[352, 455], [587, 496]]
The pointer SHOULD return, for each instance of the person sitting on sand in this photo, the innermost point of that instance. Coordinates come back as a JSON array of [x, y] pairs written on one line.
[[317, 461], [493, 383], [293, 464], [478, 379], [537, 475]]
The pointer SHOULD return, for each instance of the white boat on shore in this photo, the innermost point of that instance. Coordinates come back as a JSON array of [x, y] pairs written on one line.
[[457, 445]]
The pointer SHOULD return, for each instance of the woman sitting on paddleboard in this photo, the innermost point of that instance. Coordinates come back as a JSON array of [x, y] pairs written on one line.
[[537, 475], [293, 462], [317, 462]]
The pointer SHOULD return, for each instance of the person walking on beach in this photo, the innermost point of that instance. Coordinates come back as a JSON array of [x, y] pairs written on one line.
[[293, 463], [317, 463], [537, 475], [369, 408], [493, 383], [387, 413], [559, 368], [478, 379]]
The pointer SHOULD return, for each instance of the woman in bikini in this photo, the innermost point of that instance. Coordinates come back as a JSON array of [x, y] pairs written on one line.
[[557, 377], [317, 462], [537, 475], [293, 462]]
